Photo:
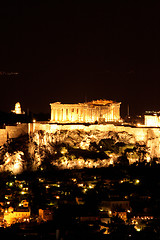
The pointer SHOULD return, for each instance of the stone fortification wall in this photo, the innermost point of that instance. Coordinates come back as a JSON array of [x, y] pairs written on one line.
[[3, 136], [17, 131], [13, 132]]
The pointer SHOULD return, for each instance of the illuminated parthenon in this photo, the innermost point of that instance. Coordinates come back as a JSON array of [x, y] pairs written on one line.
[[90, 112]]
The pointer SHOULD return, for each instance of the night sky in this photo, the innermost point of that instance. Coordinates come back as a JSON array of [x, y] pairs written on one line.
[[80, 51]]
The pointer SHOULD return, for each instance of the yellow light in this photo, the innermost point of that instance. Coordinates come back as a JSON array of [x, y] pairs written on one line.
[[64, 151], [138, 229], [110, 212], [80, 185], [85, 190], [137, 181], [148, 158], [57, 197], [16, 167]]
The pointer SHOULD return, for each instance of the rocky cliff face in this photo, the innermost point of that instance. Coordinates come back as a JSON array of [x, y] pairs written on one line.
[[143, 135], [79, 148]]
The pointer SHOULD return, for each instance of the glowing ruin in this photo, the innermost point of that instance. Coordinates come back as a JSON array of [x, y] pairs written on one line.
[[90, 112]]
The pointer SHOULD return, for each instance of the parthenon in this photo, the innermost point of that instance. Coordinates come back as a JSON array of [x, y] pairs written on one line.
[[90, 112]]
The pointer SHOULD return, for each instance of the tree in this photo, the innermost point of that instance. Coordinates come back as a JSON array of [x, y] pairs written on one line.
[[123, 160], [141, 150]]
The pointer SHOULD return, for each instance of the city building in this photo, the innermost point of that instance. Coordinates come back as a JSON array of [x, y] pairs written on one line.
[[112, 205], [89, 112], [45, 215], [152, 119], [12, 216]]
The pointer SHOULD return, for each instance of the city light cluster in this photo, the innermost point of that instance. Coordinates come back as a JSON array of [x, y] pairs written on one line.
[[80, 163]]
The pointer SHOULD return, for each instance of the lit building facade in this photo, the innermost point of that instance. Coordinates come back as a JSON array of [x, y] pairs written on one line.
[[12, 217], [152, 119], [90, 112]]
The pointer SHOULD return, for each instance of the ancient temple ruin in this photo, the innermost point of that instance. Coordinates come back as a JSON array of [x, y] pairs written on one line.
[[90, 112]]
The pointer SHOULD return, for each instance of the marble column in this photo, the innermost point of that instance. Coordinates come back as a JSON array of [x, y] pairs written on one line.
[[69, 115], [64, 114], [56, 115], [53, 114]]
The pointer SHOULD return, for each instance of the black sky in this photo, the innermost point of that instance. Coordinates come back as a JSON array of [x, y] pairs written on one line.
[[72, 52]]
